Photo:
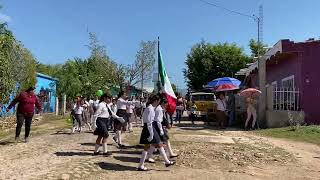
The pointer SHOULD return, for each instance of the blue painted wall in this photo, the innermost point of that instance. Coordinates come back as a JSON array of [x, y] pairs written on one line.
[[45, 84], [46, 92]]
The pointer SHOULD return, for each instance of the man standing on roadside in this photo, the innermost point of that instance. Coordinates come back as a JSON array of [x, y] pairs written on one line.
[[27, 101], [231, 106]]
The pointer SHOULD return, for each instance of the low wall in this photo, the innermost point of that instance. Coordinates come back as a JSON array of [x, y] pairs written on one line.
[[9, 122], [276, 119]]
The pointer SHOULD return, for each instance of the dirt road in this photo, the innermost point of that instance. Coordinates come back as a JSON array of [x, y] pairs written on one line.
[[204, 154]]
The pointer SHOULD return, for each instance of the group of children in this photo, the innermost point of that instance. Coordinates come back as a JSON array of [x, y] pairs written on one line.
[[106, 114]]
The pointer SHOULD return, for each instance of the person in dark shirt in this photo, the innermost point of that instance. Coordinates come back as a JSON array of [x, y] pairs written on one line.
[[27, 101], [231, 106]]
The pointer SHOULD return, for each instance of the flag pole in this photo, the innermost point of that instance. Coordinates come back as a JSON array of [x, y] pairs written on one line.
[[158, 80]]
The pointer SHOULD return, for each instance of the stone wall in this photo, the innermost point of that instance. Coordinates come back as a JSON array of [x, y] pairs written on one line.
[[9, 122]]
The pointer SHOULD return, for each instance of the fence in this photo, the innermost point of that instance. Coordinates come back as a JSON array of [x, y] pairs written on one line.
[[286, 99]]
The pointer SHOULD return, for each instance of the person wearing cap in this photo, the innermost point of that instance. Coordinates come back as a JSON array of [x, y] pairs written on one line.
[[27, 101]]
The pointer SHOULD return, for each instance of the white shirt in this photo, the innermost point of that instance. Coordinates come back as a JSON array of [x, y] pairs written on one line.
[[91, 101], [221, 105], [130, 109], [113, 107], [158, 114], [122, 104], [159, 118], [78, 109], [148, 115], [144, 105], [103, 111]]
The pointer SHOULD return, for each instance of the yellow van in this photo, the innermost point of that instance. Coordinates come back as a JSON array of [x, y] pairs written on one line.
[[205, 103]]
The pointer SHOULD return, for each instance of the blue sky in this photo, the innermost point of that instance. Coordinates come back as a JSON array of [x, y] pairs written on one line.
[[55, 30]]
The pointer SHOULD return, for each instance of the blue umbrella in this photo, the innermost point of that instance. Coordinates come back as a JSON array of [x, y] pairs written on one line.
[[223, 84]]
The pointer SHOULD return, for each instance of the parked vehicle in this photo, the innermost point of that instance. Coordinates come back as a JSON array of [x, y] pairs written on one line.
[[205, 103]]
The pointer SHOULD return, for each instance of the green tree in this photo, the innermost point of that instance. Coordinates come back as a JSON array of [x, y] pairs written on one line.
[[174, 87], [17, 65], [69, 82], [208, 61], [257, 48], [7, 82], [141, 70], [86, 76]]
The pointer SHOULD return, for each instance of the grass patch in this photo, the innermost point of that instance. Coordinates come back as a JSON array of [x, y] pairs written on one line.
[[310, 134]]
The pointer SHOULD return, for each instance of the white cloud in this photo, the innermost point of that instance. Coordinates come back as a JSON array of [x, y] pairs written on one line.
[[4, 18]]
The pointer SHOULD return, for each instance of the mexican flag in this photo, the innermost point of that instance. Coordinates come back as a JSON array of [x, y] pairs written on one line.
[[166, 88]]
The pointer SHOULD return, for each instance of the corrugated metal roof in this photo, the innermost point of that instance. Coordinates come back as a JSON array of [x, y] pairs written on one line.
[[47, 77]]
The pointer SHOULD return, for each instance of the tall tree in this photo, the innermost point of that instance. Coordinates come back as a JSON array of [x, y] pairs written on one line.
[[208, 61], [257, 48], [7, 82], [17, 69], [140, 71]]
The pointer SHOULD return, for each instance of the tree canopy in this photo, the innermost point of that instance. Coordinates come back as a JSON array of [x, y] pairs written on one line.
[[85, 76], [208, 61], [257, 48], [17, 70]]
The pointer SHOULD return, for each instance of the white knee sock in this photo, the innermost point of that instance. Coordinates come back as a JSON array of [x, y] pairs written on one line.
[[119, 137], [163, 154], [143, 159], [96, 149], [169, 149], [105, 147], [150, 152]]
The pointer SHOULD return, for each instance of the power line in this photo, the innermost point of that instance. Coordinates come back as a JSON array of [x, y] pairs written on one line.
[[229, 10]]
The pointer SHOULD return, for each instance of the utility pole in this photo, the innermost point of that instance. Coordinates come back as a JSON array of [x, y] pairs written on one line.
[[261, 72], [261, 59]]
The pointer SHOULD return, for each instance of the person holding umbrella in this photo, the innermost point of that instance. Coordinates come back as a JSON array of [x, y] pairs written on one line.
[[251, 94]]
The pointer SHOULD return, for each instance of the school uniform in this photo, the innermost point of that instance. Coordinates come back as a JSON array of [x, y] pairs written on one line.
[[160, 124], [130, 109], [103, 114], [149, 128], [122, 112], [78, 112]]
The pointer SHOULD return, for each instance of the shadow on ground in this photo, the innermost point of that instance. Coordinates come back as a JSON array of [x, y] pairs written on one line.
[[127, 159], [92, 144], [127, 152], [3, 143], [61, 132], [115, 167], [133, 147], [73, 154]]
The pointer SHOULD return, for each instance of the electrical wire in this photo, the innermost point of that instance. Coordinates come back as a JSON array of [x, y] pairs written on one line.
[[229, 10]]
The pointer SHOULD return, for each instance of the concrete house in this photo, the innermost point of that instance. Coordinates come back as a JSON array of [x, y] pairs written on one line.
[[293, 72]]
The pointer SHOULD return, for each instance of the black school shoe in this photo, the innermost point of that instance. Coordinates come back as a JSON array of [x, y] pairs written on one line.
[[171, 163], [121, 145], [142, 169], [175, 156], [114, 139], [96, 153]]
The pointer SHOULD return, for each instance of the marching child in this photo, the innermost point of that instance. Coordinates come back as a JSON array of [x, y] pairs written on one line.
[[149, 135]]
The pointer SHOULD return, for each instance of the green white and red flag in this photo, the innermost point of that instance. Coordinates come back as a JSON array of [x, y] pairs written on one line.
[[166, 88]]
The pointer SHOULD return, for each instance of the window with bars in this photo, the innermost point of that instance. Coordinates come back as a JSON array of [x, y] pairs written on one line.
[[287, 96]]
